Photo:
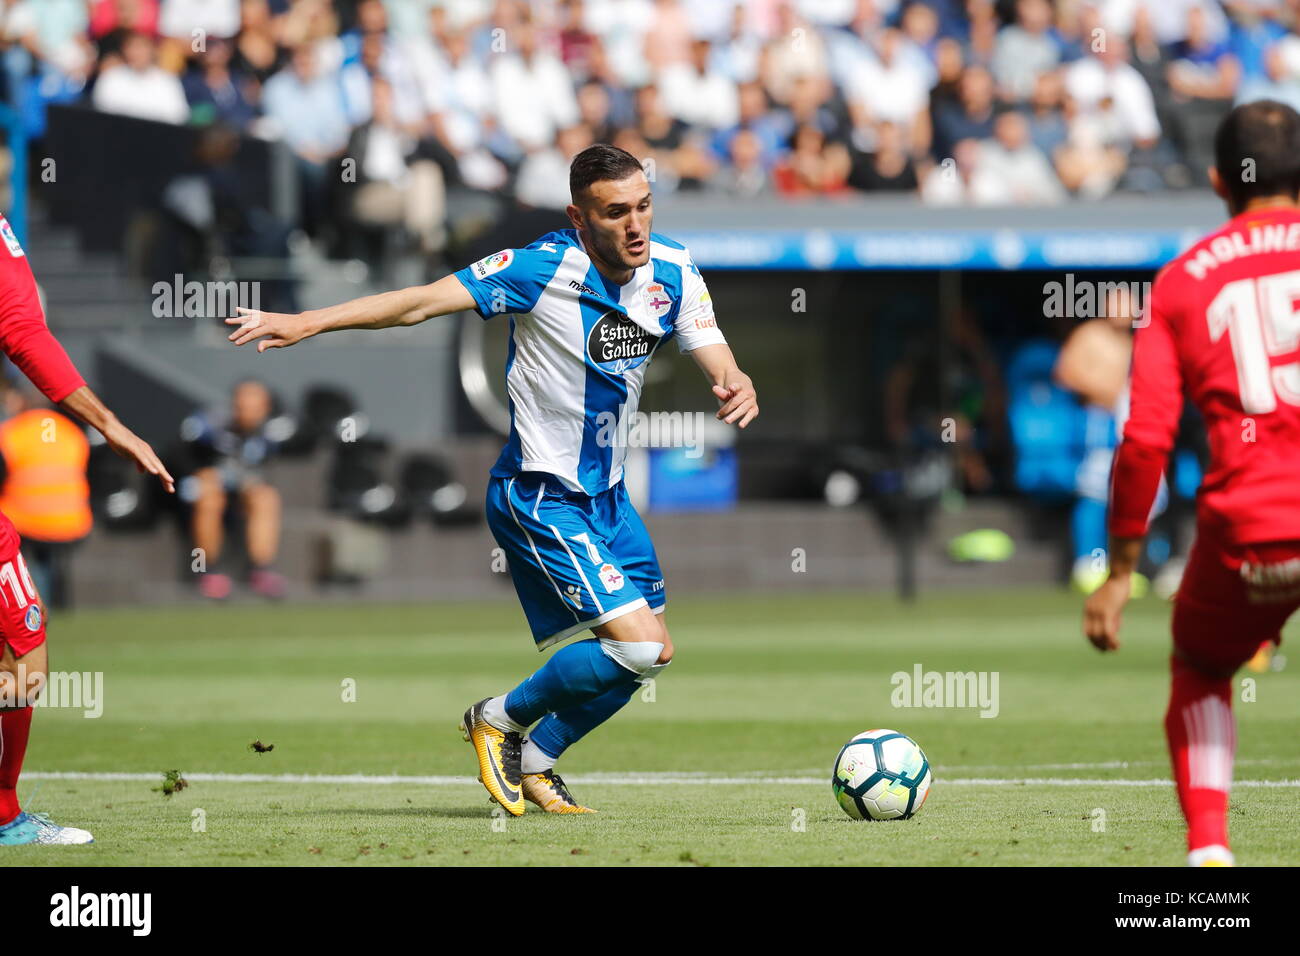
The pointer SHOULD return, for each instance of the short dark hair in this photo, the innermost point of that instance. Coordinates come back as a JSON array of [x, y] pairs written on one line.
[[598, 163], [1262, 139]]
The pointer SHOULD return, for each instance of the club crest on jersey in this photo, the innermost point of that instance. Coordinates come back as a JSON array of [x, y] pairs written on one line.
[[656, 299], [611, 578], [493, 263], [33, 617], [617, 344], [11, 240]]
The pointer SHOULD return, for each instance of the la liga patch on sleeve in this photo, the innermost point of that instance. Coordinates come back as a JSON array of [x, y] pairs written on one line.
[[493, 263], [11, 240]]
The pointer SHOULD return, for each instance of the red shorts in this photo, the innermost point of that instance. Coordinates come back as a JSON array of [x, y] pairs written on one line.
[[1232, 599], [22, 625]]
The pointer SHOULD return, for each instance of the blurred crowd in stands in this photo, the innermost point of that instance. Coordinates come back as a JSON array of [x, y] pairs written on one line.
[[961, 101]]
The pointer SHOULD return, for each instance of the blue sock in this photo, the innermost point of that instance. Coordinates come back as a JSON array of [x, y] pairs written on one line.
[[574, 675], [558, 731]]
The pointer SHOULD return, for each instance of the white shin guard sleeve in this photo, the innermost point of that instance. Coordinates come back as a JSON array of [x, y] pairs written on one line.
[[637, 656]]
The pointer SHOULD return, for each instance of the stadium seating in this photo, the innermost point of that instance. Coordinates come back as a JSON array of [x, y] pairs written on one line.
[[1047, 424]]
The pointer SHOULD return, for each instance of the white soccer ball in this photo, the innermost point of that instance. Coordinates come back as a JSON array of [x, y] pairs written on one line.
[[881, 775]]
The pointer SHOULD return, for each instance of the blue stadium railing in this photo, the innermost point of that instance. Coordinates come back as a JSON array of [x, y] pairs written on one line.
[[1124, 247]]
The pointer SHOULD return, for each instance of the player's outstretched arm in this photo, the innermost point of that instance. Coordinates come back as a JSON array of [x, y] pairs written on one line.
[[85, 405], [26, 340], [733, 388], [411, 306]]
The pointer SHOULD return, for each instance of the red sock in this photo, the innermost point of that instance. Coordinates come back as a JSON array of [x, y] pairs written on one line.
[[14, 728], [1202, 738]]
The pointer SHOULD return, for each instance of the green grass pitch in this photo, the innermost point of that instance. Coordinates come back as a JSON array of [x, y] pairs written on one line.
[[729, 764]]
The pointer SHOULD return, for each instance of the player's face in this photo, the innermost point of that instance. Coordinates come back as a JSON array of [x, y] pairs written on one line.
[[616, 216]]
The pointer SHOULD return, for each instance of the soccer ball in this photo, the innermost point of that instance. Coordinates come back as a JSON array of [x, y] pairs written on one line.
[[881, 775]]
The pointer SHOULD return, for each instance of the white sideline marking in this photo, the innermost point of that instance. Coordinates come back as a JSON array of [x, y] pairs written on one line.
[[1107, 764], [635, 779]]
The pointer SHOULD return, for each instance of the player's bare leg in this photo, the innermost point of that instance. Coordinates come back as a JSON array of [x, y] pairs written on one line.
[[208, 529], [21, 678], [21, 681], [556, 732], [641, 625]]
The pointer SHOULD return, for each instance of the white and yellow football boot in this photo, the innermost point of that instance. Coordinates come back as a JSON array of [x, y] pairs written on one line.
[[498, 758], [547, 790], [1211, 856]]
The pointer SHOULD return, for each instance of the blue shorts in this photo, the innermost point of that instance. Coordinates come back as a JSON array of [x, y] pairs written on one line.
[[577, 561]]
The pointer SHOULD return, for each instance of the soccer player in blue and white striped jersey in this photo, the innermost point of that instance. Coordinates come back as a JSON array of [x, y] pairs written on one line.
[[588, 307]]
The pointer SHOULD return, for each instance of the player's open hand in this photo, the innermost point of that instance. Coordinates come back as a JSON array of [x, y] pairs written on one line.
[[134, 448], [739, 401], [276, 330], [1102, 611]]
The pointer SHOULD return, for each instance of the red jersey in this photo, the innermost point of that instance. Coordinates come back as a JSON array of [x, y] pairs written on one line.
[[26, 339], [1224, 329], [24, 336]]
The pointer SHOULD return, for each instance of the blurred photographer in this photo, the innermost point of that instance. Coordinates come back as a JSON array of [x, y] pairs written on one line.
[[228, 485]]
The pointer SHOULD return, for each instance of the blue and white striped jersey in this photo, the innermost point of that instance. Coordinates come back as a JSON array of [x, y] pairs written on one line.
[[579, 348]]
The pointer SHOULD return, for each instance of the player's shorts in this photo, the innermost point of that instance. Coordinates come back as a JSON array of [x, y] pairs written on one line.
[[1232, 599], [22, 626], [576, 560]]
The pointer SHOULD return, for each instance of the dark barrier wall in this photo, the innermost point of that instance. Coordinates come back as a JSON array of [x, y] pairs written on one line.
[[875, 360], [119, 166]]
